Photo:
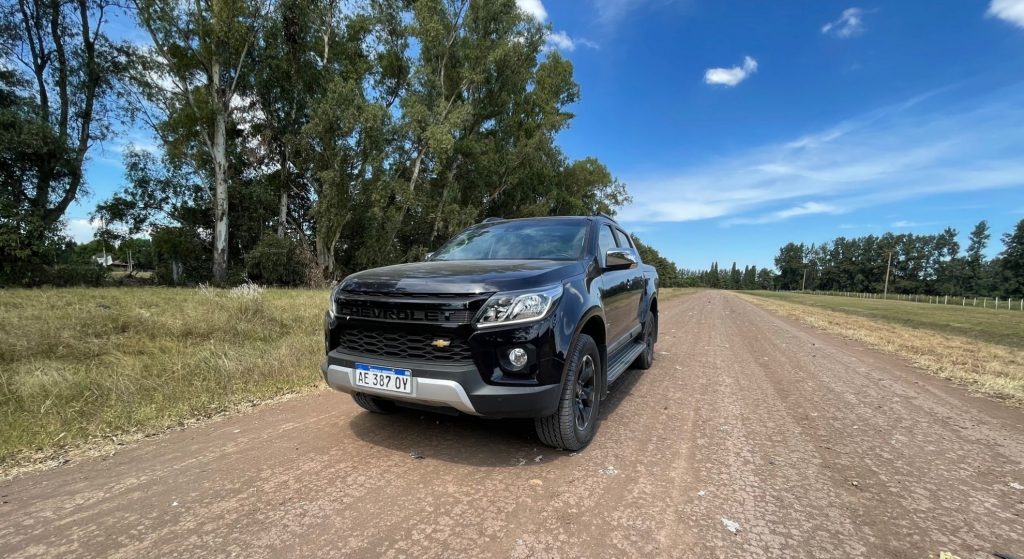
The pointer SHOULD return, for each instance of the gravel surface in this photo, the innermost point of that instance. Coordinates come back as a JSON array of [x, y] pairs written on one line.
[[751, 436]]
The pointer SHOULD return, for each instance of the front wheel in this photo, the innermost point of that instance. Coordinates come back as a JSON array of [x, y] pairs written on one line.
[[573, 425]]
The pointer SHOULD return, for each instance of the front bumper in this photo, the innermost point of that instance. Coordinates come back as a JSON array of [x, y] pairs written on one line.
[[452, 386]]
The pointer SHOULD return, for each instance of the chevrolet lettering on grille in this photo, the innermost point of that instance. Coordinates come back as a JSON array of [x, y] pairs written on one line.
[[401, 315]]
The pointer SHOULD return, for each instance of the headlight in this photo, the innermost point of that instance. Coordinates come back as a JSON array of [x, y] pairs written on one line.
[[516, 307], [333, 305]]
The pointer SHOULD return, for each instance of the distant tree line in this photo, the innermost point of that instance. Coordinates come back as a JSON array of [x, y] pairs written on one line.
[[299, 140], [748, 278], [920, 264]]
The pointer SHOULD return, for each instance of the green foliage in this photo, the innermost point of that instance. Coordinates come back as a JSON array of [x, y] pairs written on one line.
[[277, 261], [921, 264], [181, 256], [50, 116], [1011, 262], [368, 132]]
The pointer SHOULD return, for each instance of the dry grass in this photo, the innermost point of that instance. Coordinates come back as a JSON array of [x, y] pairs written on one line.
[[670, 293], [989, 368], [82, 365]]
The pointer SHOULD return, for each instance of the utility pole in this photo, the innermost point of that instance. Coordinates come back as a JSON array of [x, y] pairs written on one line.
[[885, 295], [803, 282]]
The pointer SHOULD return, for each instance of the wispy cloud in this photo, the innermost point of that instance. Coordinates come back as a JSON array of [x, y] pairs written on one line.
[[730, 77], [533, 8], [906, 151], [849, 24], [612, 10], [1008, 10], [805, 208], [556, 39], [562, 41]]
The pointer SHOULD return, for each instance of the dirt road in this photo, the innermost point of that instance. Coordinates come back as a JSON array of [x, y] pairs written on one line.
[[812, 445]]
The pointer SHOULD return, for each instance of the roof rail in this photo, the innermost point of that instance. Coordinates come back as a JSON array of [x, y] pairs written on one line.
[[492, 219], [606, 216]]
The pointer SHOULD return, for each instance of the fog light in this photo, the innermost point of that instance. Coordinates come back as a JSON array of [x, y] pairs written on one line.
[[517, 358]]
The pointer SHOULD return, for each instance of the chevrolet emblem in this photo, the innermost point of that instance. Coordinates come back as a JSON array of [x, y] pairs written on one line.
[[441, 343]]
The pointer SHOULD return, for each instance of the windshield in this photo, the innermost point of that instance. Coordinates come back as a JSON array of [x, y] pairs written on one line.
[[518, 240]]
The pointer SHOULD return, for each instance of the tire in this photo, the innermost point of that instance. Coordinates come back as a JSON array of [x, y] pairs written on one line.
[[373, 404], [650, 336], [579, 400]]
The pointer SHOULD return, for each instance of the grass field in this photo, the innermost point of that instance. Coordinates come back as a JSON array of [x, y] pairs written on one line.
[[982, 349], [108, 364], [85, 364], [1003, 327]]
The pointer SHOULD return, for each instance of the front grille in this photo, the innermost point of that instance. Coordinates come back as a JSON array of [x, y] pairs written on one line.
[[403, 345], [407, 295], [409, 307]]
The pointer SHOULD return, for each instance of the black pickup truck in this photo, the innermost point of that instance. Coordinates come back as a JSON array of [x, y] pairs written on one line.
[[511, 318]]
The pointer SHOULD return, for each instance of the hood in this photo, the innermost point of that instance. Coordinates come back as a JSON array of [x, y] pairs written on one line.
[[463, 276]]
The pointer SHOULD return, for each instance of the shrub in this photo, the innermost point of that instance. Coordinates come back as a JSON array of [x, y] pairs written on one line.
[[277, 261], [62, 275]]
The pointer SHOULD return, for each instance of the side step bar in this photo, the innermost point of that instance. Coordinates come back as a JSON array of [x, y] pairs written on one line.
[[623, 360]]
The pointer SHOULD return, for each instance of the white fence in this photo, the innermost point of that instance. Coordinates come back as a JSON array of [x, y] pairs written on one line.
[[995, 303]]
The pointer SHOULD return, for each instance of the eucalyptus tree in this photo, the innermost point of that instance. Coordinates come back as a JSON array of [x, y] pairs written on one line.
[[346, 151], [57, 99], [191, 78]]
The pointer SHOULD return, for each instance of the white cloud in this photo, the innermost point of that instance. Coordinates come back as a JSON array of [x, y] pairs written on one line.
[[81, 230], [562, 41], [908, 151], [731, 76], [902, 224], [533, 8], [1008, 10], [849, 24], [806, 208]]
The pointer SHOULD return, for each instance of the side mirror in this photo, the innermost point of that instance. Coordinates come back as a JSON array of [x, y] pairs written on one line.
[[427, 257], [619, 259]]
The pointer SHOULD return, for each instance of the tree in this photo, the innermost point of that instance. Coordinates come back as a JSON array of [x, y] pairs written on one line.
[[975, 265], [366, 132], [791, 266], [49, 122], [765, 279], [192, 78], [1011, 265], [735, 277], [749, 278]]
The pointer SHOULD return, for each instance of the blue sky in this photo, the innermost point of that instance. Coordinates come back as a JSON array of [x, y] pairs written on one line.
[[740, 126]]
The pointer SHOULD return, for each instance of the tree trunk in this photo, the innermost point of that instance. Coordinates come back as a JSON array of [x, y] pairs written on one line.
[[282, 209], [220, 167], [325, 244], [282, 212]]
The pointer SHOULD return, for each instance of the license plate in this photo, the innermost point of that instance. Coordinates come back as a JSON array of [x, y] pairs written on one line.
[[384, 378]]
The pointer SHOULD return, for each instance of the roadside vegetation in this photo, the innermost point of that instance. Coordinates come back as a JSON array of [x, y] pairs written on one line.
[[979, 348], [83, 364], [997, 326]]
